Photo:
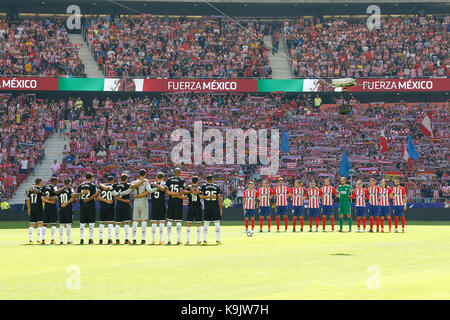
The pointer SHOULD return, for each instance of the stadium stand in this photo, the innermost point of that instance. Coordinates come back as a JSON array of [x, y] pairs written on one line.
[[403, 47], [38, 47]]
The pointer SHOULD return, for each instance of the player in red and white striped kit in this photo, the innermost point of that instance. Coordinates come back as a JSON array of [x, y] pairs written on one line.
[[383, 200], [313, 193], [398, 193], [264, 196], [297, 193], [281, 193], [374, 193], [249, 205], [360, 207], [327, 203]]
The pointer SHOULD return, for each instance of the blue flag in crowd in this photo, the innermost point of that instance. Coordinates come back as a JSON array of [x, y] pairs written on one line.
[[344, 168], [412, 149], [284, 141]]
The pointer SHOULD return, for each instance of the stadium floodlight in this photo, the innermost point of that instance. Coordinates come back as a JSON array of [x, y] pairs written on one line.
[[344, 82]]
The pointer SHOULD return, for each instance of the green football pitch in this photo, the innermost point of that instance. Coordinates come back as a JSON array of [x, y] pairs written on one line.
[[331, 265]]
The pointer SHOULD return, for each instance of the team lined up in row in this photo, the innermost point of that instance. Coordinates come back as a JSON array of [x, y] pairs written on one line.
[[322, 199], [42, 208]]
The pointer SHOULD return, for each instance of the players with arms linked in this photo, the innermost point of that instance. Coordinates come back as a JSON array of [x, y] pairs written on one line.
[[264, 196], [398, 194], [174, 188], [35, 210], [327, 203], [344, 192], [249, 206], [297, 194], [194, 214], [87, 206]]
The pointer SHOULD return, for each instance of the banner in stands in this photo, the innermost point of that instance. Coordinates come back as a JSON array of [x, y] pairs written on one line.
[[200, 85], [382, 85], [28, 83]]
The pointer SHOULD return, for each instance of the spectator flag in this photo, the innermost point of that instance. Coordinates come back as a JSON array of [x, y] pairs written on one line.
[[344, 168], [409, 152], [284, 141], [427, 126], [383, 143]]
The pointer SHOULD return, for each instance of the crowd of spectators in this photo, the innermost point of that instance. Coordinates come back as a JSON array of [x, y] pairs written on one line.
[[403, 46], [108, 137], [163, 47], [24, 126], [38, 47]]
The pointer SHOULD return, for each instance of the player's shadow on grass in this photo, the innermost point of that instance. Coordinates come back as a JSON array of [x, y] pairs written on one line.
[[341, 254]]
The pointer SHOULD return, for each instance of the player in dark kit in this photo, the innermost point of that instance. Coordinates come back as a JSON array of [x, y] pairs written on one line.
[[158, 207], [87, 207], [50, 197], [194, 209], [106, 199], [35, 210], [212, 195], [174, 188], [66, 197], [123, 208]]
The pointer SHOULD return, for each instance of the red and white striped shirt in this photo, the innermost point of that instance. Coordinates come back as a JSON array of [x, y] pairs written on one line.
[[264, 197], [360, 195], [313, 195], [374, 195], [297, 196], [383, 198], [398, 193], [250, 199], [282, 195], [328, 192]]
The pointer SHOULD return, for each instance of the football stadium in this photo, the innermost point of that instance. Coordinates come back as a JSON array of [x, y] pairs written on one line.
[[224, 150]]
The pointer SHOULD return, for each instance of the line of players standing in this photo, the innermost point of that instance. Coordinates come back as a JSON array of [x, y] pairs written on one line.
[[115, 207], [321, 199]]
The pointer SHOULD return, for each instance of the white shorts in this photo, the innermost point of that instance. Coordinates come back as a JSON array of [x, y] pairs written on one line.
[[140, 211]]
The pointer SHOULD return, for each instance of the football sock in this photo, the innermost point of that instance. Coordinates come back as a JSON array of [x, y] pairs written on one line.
[[324, 222], [371, 223], [178, 231], [81, 231], [144, 230], [110, 231], [134, 229], [205, 231], [169, 230], [44, 231], [261, 222], [253, 224], [332, 221], [161, 231], [61, 233], [382, 223], [153, 232], [302, 221], [217, 223], [127, 231], [358, 222], [294, 222], [117, 232], [317, 222], [188, 234], [403, 221], [91, 231], [246, 224], [269, 221], [101, 227], [390, 223], [310, 222], [39, 233], [53, 231], [378, 222], [286, 222], [69, 232], [199, 233], [364, 222], [341, 223], [30, 233], [349, 220], [278, 222], [396, 222]]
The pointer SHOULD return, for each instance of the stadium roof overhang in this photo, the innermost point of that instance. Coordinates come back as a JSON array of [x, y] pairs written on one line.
[[271, 8]]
